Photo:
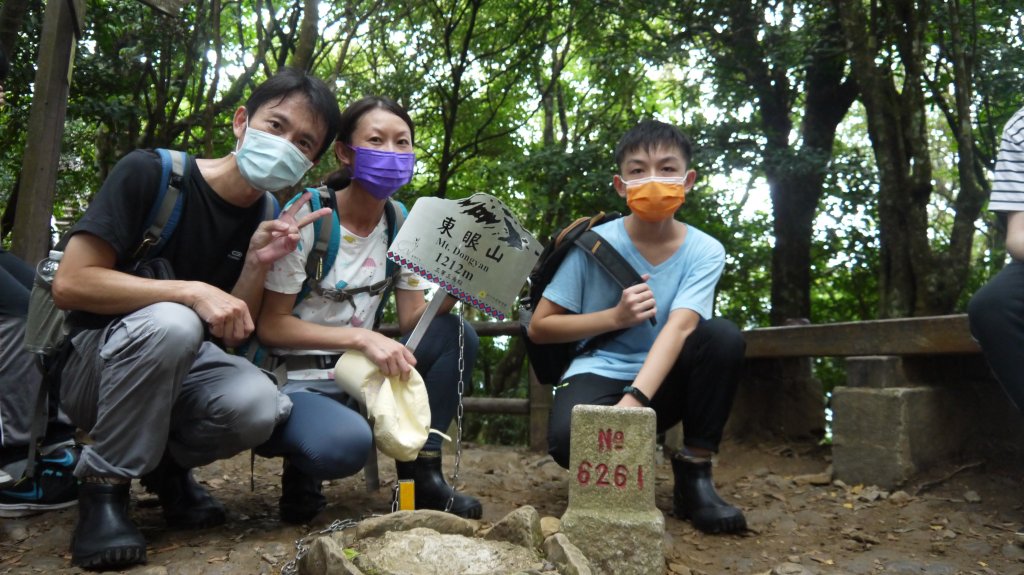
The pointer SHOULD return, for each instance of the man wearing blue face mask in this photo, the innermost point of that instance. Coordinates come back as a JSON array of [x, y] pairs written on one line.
[[147, 377]]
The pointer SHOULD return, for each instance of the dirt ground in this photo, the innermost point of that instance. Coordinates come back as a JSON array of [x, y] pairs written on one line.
[[957, 519]]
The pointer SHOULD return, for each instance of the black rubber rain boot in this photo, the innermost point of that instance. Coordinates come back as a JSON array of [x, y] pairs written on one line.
[[432, 491], [695, 498], [302, 496], [105, 537], [186, 504]]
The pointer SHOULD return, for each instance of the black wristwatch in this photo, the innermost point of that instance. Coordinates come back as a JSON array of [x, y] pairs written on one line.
[[639, 395]]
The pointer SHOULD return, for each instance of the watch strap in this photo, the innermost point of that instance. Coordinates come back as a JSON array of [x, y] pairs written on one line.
[[639, 395]]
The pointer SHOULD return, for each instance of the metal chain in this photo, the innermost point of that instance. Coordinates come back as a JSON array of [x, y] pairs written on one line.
[[459, 411], [302, 544]]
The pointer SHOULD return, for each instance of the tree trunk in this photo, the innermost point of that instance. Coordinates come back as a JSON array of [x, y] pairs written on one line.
[[795, 177], [308, 35], [31, 238], [12, 13], [915, 278]]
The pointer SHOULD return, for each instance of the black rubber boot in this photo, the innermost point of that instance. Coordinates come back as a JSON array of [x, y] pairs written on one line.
[[432, 491], [105, 537], [695, 498], [302, 496], [186, 504]]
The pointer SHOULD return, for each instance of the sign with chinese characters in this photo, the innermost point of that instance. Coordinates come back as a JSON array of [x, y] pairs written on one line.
[[474, 248]]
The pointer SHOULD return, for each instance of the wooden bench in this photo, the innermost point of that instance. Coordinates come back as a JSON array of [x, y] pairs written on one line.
[[917, 392]]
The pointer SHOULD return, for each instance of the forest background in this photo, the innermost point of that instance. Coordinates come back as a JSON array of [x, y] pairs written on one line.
[[844, 147]]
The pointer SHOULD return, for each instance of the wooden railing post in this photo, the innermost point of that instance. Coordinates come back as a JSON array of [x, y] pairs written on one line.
[[540, 406]]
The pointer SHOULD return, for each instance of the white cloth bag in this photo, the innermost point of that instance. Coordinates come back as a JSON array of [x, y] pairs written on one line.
[[398, 410]]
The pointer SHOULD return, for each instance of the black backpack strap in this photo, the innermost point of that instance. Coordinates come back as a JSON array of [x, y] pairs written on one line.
[[394, 217], [616, 266], [610, 260]]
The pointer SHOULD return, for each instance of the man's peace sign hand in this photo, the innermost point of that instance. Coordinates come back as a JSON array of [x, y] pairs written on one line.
[[275, 239]]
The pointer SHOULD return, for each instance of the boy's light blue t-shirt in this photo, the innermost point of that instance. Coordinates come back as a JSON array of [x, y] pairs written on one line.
[[685, 280]]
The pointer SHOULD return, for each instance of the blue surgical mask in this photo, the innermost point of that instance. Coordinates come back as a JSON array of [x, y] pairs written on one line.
[[269, 162]]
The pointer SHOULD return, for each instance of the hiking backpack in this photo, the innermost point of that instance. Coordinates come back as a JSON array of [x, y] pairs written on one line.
[[325, 251], [550, 360], [46, 328]]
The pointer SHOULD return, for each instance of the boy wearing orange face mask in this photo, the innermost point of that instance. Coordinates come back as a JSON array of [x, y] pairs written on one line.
[[685, 364]]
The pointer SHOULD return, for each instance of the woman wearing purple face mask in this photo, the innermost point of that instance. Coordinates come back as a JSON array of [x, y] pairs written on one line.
[[307, 324]]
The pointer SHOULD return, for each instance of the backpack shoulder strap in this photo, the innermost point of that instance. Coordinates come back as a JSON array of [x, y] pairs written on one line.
[[271, 208], [325, 251], [166, 211], [610, 260], [326, 239], [394, 216], [401, 212]]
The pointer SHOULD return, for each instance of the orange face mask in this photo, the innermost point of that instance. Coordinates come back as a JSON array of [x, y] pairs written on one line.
[[654, 199]]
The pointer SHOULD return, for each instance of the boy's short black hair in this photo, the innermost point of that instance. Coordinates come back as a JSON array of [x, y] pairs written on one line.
[[288, 81], [650, 134]]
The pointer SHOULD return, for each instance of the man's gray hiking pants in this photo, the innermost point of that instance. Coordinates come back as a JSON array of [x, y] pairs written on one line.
[[149, 381], [20, 379]]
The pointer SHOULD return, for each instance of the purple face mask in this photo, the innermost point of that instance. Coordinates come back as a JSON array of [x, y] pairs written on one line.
[[381, 173]]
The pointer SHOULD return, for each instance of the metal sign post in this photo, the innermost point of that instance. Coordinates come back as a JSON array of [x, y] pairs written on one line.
[[476, 251]]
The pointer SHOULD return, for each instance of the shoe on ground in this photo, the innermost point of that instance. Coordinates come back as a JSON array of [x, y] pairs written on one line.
[[52, 486], [186, 504], [432, 491], [105, 537], [302, 496], [694, 498]]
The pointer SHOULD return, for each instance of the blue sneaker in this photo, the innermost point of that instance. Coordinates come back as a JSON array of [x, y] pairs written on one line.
[[53, 486]]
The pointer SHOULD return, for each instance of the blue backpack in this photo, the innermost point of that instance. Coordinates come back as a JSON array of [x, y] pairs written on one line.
[[46, 326], [170, 203]]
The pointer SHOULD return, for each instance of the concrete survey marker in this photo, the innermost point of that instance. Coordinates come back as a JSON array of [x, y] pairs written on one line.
[[611, 515], [611, 455]]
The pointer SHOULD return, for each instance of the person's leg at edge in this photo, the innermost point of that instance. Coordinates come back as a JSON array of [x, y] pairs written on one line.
[[119, 385], [437, 360], [996, 314], [322, 439], [53, 485], [699, 390]]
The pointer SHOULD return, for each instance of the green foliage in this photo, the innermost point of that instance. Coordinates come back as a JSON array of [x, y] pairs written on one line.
[[526, 100], [846, 249]]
